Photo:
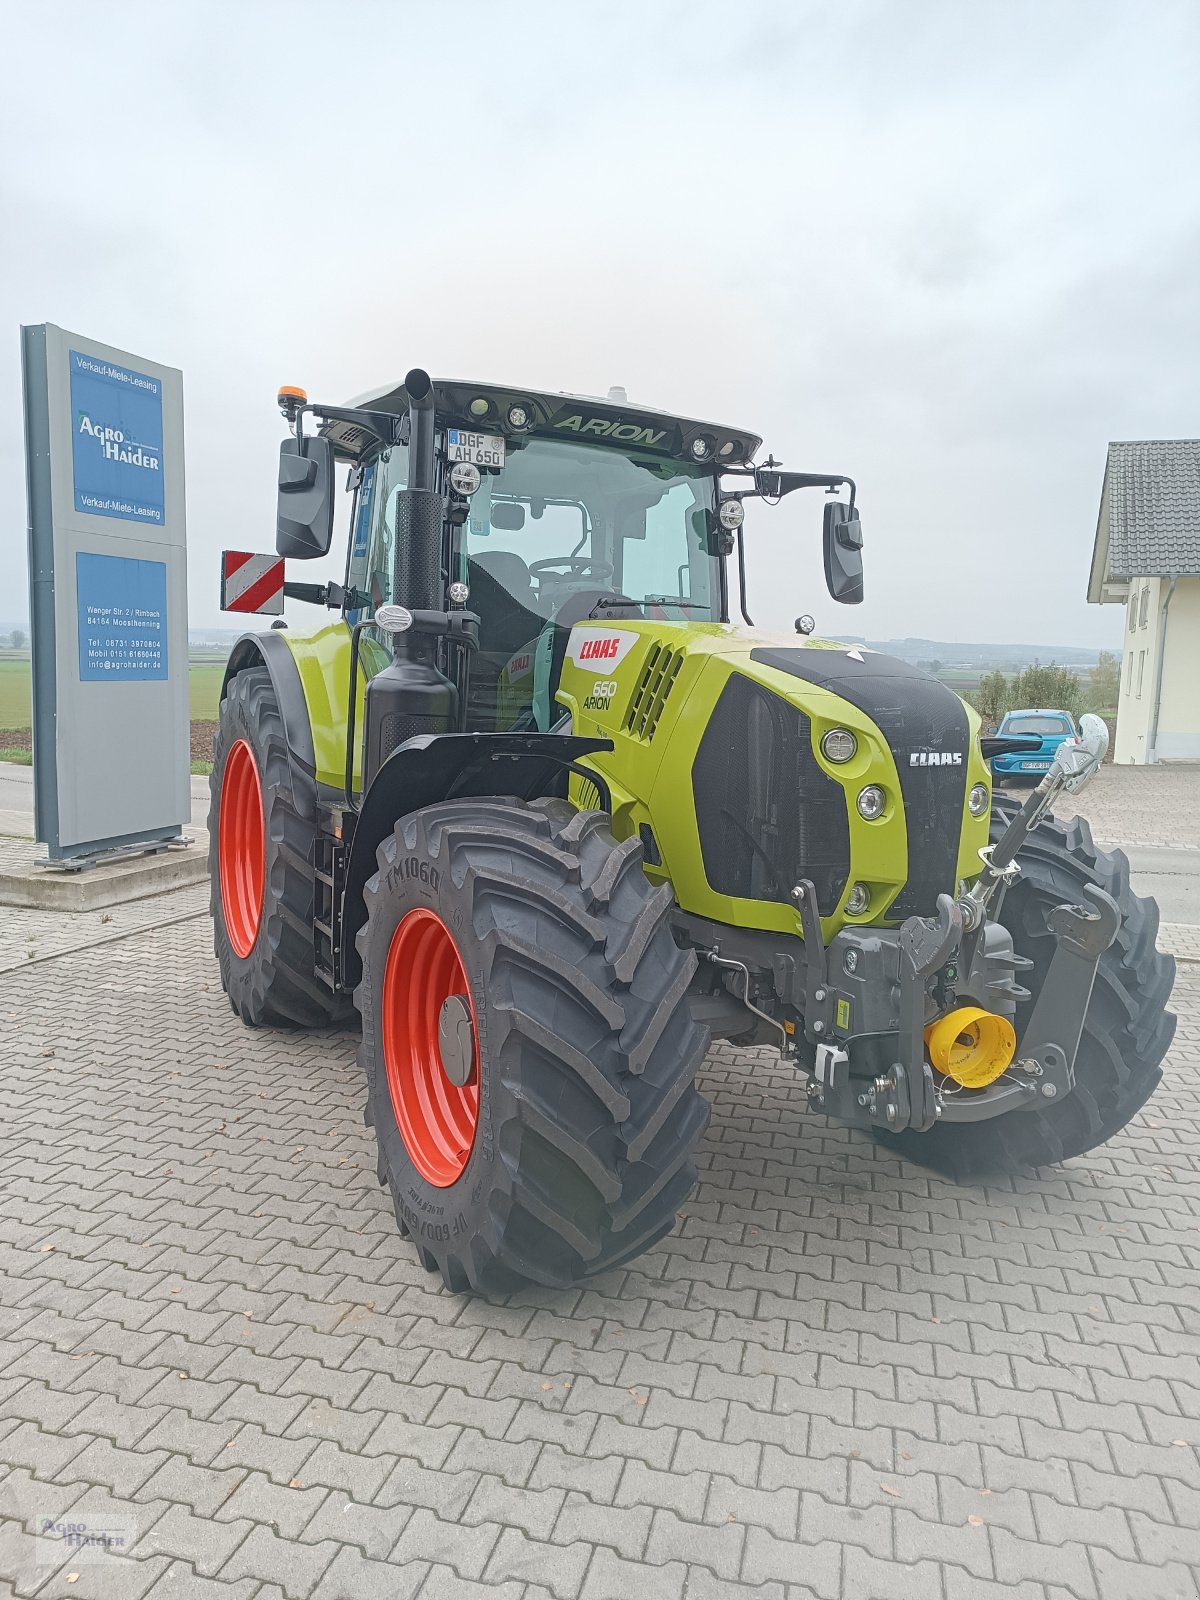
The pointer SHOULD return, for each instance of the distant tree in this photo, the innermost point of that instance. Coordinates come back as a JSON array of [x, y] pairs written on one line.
[[17, 639], [992, 697], [1104, 683], [1051, 686]]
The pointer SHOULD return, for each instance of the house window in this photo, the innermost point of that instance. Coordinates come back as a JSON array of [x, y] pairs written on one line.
[[1133, 605], [1129, 671], [1141, 671], [1145, 608]]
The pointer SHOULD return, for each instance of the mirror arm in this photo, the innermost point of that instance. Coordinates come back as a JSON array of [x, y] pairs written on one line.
[[331, 595], [383, 424], [808, 480]]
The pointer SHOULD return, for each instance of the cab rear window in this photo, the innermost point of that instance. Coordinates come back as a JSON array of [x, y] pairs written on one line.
[[1044, 727]]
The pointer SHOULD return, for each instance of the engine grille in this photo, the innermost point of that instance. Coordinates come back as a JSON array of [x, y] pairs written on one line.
[[918, 717], [650, 696], [766, 812]]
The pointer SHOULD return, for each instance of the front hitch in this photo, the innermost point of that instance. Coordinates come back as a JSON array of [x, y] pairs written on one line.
[[846, 1082]]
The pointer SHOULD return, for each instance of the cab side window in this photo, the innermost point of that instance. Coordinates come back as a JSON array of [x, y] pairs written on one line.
[[356, 568], [372, 564]]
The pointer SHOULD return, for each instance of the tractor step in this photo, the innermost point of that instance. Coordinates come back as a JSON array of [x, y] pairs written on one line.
[[329, 874]]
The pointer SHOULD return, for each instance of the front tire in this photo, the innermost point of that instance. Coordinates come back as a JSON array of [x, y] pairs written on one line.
[[568, 1145], [1127, 1029], [261, 831]]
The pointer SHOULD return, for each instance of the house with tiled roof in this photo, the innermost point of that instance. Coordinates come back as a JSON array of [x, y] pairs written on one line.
[[1147, 558]]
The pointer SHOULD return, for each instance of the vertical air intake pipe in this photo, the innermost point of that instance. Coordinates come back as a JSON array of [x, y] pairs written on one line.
[[413, 696]]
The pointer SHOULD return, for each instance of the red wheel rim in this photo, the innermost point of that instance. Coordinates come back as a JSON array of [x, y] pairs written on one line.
[[241, 848], [436, 1118]]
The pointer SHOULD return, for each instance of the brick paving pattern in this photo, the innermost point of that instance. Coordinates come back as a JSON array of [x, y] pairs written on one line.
[[1156, 806], [840, 1377]]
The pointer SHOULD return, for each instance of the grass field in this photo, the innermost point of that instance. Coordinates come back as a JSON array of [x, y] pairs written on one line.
[[204, 689]]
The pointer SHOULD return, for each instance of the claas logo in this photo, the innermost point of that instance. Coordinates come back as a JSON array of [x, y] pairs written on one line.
[[600, 650], [589, 647]]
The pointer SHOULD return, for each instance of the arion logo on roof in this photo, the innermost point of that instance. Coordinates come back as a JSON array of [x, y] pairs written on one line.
[[603, 428]]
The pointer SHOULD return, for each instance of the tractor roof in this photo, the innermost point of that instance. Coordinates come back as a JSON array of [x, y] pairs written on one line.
[[613, 421]]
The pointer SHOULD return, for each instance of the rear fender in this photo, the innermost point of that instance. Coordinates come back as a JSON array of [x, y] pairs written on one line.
[[447, 766]]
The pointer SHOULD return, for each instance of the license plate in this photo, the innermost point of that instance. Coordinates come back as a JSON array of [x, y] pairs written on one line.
[[480, 449], [1035, 766]]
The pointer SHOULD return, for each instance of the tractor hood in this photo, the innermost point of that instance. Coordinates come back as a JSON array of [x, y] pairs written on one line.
[[730, 722]]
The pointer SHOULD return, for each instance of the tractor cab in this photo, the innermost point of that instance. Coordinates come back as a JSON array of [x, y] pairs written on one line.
[[577, 509]]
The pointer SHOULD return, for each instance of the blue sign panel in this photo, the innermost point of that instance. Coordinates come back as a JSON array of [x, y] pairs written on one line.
[[122, 617], [117, 442]]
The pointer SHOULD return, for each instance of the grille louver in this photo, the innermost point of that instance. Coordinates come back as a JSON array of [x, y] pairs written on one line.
[[658, 678]]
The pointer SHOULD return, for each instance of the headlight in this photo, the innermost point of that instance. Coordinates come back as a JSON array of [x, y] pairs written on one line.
[[839, 745], [978, 800], [464, 478], [871, 802], [858, 901]]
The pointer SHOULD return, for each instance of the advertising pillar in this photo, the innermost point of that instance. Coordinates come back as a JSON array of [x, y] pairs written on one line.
[[108, 596]]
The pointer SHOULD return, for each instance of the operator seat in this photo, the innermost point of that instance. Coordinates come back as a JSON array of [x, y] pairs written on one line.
[[503, 597]]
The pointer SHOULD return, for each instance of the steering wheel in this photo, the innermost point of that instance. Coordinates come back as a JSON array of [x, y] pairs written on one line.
[[575, 567]]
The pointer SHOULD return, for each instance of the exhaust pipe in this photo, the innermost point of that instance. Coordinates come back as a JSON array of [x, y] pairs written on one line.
[[419, 387]]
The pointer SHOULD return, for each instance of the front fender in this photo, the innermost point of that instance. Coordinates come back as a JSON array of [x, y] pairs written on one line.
[[447, 766], [271, 650]]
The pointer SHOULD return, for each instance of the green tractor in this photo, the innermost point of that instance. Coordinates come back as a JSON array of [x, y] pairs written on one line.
[[535, 807]]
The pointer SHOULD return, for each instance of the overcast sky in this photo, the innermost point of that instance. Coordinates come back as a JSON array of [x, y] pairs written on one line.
[[951, 249]]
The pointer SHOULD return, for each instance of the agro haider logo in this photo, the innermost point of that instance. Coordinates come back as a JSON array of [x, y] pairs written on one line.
[[115, 447]]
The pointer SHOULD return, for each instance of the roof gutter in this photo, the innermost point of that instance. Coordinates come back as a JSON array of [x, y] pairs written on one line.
[[1158, 671]]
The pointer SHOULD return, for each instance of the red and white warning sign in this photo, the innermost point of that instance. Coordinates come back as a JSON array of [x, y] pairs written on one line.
[[251, 583]]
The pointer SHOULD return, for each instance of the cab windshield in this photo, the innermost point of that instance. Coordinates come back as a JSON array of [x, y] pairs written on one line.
[[559, 533], [561, 518], [562, 528]]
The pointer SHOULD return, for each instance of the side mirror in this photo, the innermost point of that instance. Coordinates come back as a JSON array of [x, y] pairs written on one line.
[[304, 520], [843, 553]]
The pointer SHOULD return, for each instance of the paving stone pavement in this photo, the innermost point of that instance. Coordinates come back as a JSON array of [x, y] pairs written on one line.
[[840, 1377], [1156, 806]]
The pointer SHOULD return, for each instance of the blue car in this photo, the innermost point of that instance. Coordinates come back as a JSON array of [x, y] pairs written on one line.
[[1051, 727]]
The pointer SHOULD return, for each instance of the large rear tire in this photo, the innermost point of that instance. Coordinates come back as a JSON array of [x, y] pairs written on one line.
[[556, 1139], [1126, 1032], [261, 831]]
